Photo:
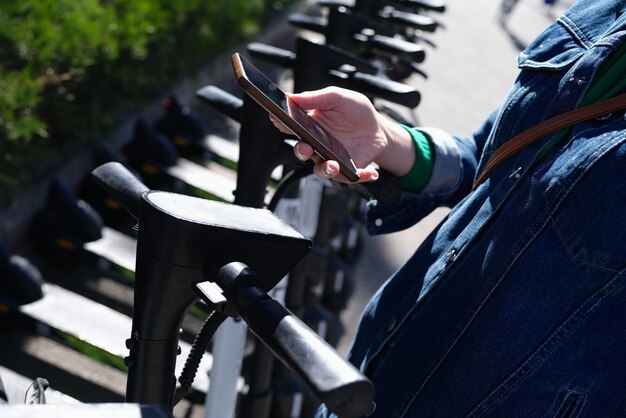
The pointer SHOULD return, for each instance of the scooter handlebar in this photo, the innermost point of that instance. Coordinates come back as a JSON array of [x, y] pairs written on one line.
[[438, 6], [408, 19], [335, 381], [120, 183], [392, 47], [313, 23], [271, 54], [376, 86], [222, 101]]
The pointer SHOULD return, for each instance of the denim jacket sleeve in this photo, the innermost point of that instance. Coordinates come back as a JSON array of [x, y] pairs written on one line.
[[454, 169]]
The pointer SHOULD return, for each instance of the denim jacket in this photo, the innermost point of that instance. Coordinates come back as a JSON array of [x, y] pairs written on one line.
[[515, 306]]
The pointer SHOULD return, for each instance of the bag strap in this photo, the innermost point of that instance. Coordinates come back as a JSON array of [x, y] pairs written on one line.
[[547, 127]]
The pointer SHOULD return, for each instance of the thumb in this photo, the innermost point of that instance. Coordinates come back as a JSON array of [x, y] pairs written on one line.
[[324, 99]]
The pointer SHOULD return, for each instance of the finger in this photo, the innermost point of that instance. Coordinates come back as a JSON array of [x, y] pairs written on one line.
[[367, 174], [303, 151], [327, 170], [316, 159], [323, 99], [330, 170], [279, 125]]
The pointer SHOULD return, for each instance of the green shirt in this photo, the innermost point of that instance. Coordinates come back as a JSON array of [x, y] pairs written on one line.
[[609, 80], [418, 176]]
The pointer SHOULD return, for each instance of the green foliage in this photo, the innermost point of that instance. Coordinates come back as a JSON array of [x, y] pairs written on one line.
[[69, 68]]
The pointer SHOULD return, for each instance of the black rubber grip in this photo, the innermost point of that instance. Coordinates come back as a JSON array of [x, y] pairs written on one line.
[[432, 5], [120, 183], [383, 88], [313, 23], [335, 381], [271, 54], [222, 101]]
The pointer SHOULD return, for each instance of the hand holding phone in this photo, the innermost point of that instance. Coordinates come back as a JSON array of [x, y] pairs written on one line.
[[271, 98]]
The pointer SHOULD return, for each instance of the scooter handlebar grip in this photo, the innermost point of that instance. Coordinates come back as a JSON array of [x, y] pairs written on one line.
[[393, 91], [120, 183], [398, 48], [335, 381], [409, 19], [432, 5], [313, 23], [222, 101], [332, 4], [271, 54]]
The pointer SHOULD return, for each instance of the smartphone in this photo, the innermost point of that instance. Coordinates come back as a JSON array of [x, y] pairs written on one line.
[[271, 98]]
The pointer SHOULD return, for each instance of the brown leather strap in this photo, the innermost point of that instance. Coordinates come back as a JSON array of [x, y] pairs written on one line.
[[550, 126]]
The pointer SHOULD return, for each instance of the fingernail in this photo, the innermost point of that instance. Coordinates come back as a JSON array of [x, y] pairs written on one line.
[[329, 171]]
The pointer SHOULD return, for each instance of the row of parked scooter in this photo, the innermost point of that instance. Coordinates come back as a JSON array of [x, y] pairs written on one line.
[[372, 46]]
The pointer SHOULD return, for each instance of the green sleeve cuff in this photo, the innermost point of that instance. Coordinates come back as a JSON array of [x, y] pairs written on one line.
[[418, 176]]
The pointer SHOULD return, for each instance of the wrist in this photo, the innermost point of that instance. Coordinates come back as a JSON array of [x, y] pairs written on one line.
[[398, 155]]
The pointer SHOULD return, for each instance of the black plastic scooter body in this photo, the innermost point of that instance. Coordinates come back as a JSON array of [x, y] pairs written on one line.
[[182, 241], [209, 234], [20, 280], [311, 69], [64, 224], [182, 126]]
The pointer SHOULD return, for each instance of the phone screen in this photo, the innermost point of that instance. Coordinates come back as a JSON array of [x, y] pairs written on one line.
[[335, 150]]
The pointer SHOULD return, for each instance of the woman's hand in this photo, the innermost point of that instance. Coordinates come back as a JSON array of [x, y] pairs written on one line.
[[367, 135]]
